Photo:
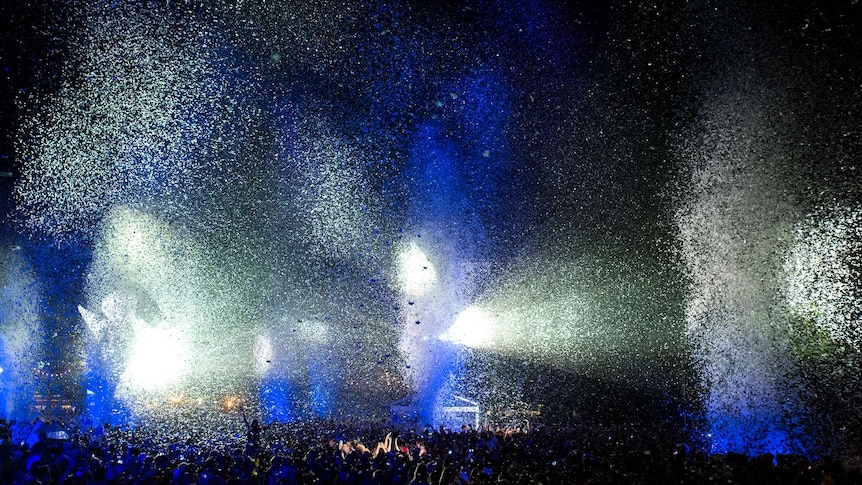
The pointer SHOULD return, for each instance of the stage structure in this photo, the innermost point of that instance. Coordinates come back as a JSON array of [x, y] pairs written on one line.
[[452, 413]]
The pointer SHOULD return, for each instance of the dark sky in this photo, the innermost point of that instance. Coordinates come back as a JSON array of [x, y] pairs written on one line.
[[638, 67]]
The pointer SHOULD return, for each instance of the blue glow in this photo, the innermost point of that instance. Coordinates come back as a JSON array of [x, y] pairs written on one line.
[[457, 164], [323, 390], [753, 435], [278, 400], [12, 400], [322, 398], [100, 403]]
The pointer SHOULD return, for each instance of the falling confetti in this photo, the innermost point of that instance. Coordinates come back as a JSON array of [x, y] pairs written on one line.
[[318, 209]]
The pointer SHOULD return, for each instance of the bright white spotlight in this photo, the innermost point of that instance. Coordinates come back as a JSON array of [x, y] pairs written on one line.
[[472, 328], [159, 358], [415, 271]]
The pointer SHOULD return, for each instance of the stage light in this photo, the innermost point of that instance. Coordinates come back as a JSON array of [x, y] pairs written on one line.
[[158, 359], [232, 402], [415, 272], [472, 328]]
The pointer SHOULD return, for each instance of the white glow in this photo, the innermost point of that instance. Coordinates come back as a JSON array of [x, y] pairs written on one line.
[[415, 271], [113, 308], [821, 269], [472, 328], [135, 242], [262, 354], [313, 331], [159, 358], [94, 323]]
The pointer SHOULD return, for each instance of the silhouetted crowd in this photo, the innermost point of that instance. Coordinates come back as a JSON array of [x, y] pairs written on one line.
[[359, 453]]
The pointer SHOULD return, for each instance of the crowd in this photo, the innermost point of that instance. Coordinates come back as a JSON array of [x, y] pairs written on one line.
[[359, 453]]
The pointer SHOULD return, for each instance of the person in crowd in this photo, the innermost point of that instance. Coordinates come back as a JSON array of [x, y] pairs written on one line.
[[326, 452]]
